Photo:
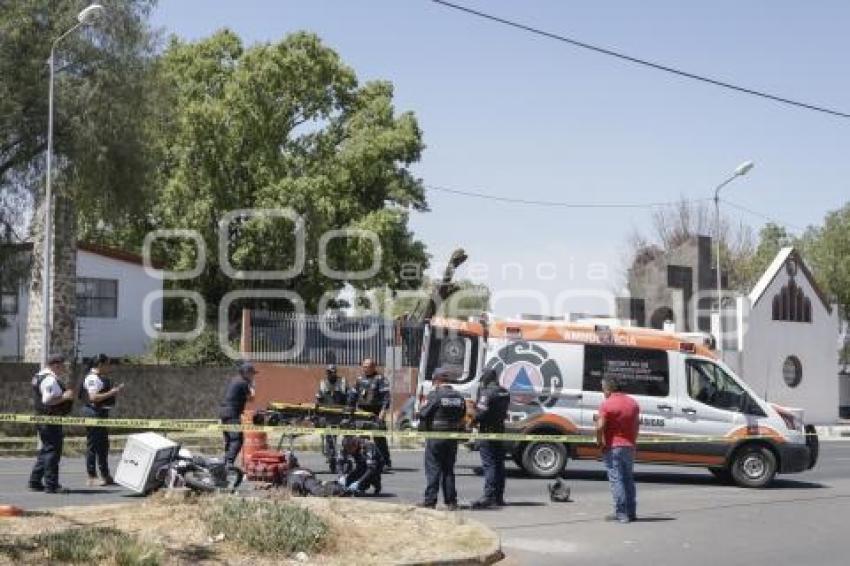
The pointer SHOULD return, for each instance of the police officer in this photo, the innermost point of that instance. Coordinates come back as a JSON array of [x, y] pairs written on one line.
[[240, 390], [333, 391], [367, 463], [51, 396], [491, 410], [371, 393], [99, 395], [444, 411]]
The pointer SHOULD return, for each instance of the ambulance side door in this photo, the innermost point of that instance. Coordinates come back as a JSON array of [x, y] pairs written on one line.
[[643, 374]]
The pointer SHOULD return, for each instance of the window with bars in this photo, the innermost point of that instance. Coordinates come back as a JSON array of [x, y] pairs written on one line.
[[97, 298], [791, 305]]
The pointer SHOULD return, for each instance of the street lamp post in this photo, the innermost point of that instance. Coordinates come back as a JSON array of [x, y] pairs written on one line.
[[740, 171], [83, 18]]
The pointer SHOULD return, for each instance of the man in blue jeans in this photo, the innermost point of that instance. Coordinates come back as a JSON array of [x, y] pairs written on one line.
[[616, 434]]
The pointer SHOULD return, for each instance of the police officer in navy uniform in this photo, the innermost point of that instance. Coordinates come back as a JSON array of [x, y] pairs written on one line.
[[99, 396], [333, 391], [444, 411], [491, 410], [240, 389], [371, 393], [51, 397]]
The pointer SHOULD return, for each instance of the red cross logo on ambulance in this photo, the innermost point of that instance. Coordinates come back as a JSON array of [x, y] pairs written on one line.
[[523, 380]]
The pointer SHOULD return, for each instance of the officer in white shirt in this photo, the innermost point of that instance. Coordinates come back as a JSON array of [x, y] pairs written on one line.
[[99, 396], [51, 397]]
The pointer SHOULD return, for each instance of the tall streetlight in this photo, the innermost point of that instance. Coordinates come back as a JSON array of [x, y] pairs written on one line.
[[83, 18], [740, 171]]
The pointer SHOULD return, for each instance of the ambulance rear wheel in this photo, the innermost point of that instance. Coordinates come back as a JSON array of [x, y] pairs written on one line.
[[753, 466], [544, 459]]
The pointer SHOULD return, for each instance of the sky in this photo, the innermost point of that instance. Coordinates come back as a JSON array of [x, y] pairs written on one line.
[[510, 114]]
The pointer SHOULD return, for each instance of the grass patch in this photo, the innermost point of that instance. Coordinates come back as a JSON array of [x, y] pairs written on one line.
[[266, 527], [91, 545]]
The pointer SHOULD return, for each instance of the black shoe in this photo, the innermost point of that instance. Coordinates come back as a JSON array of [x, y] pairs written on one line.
[[484, 503], [426, 505], [35, 487], [55, 490], [451, 507]]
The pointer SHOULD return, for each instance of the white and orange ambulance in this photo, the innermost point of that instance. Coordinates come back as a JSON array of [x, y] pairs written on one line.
[[553, 371]]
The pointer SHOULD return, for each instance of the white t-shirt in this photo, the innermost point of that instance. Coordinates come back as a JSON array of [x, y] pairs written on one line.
[[50, 390]]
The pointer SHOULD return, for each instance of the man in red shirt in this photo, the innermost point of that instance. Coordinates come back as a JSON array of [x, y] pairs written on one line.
[[616, 434]]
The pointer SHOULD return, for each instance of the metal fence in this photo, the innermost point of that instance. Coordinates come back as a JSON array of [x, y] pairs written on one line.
[[321, 339]]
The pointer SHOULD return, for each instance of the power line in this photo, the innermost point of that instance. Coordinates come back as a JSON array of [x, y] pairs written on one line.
[[562, 204], [763, 216], [643, 62]]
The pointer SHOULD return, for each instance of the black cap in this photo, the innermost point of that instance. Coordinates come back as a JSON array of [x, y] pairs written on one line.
[[56, 359], [443, 374], [246, 367]]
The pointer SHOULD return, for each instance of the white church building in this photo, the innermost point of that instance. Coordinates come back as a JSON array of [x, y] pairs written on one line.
[[786, 338], [782, 337]]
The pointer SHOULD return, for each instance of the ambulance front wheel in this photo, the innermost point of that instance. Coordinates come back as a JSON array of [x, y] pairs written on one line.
[[754, 465], [544, 459]]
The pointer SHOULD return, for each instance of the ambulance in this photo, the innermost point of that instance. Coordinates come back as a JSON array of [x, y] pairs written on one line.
[[694, 411]]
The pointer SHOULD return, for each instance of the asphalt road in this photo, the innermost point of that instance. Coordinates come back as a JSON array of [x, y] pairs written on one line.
[[687, 517]]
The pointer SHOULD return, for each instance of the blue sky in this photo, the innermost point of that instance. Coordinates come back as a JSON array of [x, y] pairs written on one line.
[[510, 114]]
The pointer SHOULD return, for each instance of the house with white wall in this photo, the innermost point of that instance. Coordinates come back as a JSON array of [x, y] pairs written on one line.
[[111, 286]]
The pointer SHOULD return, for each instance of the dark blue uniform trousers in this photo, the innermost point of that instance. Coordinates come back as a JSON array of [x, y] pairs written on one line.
[[97, 445], [47, 463], [440, 456], [232, 441], [493, 463]]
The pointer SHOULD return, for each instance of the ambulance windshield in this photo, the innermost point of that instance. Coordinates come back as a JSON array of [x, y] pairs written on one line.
[[454, 351]]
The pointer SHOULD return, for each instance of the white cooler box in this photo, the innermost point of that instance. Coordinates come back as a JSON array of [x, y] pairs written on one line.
[[143, 455]]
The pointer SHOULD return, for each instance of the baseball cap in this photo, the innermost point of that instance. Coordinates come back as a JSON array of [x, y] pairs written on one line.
[[246, 367]]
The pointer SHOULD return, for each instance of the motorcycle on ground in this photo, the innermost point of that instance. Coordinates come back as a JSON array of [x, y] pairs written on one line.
[[201, 474]]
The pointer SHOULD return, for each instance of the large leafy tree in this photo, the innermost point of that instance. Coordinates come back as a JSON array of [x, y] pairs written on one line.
[[284, 125], [101, 107], [828, 248]]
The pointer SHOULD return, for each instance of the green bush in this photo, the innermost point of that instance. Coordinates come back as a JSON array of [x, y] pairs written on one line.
[[95, 545], [266, 527], [202, 351]]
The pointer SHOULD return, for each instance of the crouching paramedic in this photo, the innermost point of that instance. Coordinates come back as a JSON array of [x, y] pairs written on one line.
[[367, 465], [240, 389], [443, 412]]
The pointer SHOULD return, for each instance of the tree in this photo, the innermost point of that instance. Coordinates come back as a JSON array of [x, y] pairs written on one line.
[[828, 249], [99, 132], [284, 125]]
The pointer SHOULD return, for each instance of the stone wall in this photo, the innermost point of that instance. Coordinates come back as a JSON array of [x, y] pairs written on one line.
[[189, 393]]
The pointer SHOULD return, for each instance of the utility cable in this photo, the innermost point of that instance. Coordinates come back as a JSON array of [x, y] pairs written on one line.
[[643, 62]]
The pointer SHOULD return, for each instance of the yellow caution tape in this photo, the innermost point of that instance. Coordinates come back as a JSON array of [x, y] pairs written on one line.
[[211, 426]]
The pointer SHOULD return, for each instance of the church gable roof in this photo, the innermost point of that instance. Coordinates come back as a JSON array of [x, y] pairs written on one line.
[[778, 263]]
